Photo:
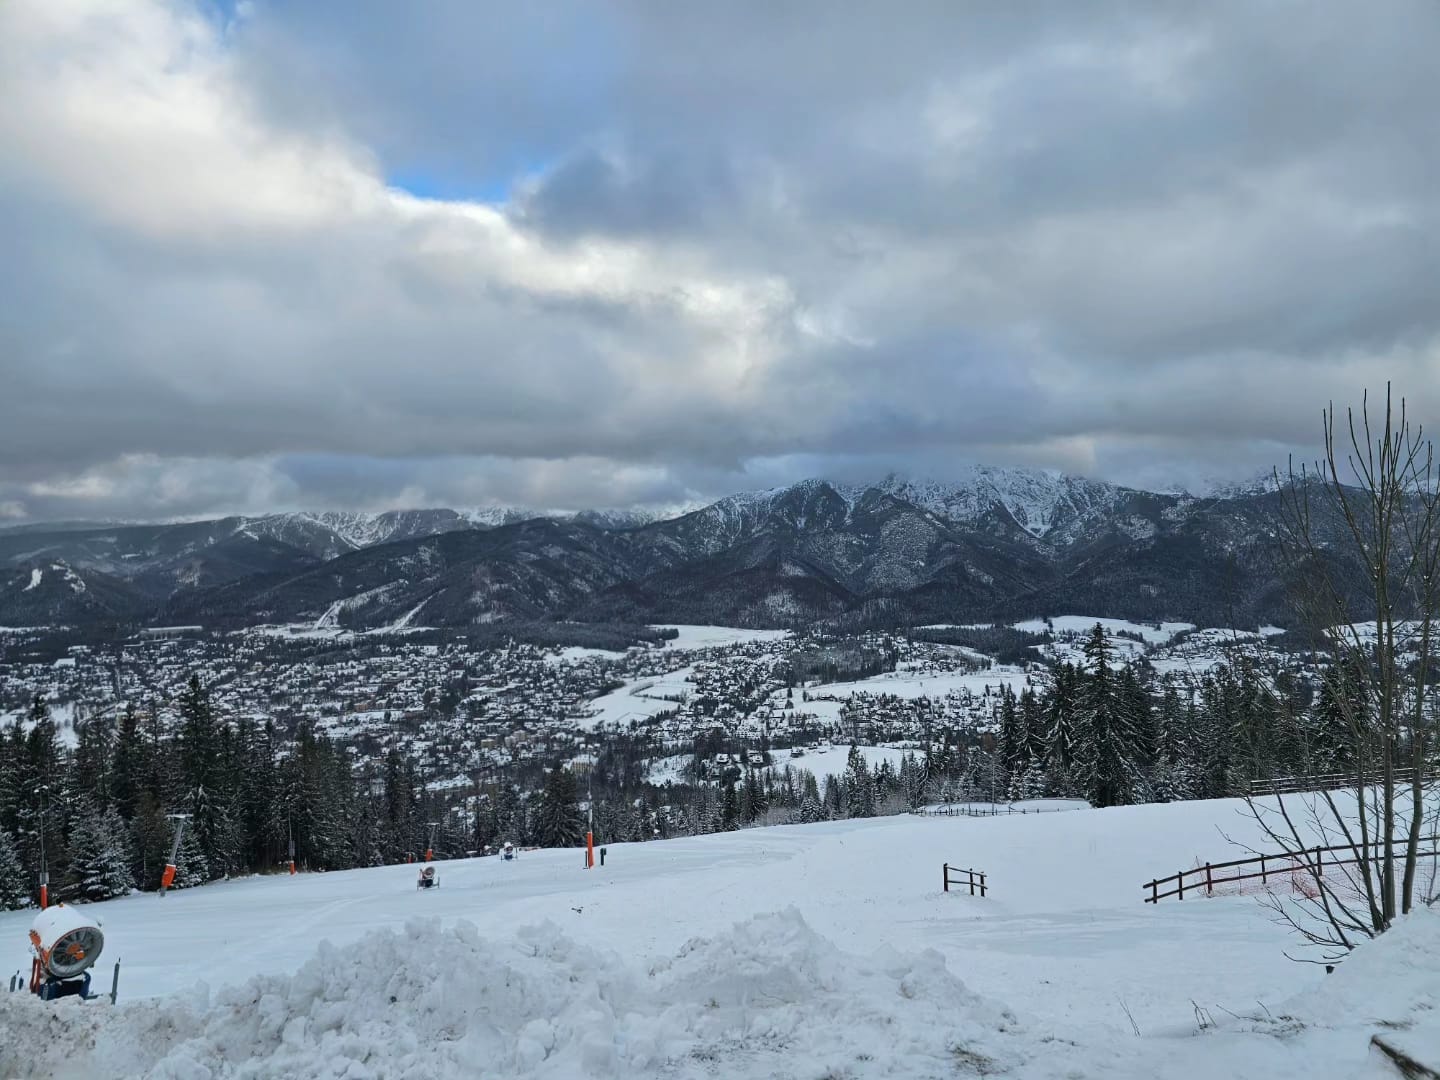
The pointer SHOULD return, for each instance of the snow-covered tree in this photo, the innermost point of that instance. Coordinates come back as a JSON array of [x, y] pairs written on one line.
[[14, 884], [1106, 747], [859, 789], [99, 856], [558, 821]]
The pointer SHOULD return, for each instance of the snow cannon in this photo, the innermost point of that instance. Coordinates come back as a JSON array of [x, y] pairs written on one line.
[[427, 879], [66, 944]]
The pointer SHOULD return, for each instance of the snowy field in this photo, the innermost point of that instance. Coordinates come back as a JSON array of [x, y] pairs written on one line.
[[825, 761], [713, 637], [820, 951], [637, 699], [913, 684]]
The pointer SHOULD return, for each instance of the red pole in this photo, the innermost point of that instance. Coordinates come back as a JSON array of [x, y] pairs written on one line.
[[589, 851]]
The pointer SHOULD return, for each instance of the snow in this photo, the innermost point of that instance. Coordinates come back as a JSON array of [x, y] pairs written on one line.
[[636, 700], [1154, 634], [37, 575], [911, 684], [831, 760], [712, 637], [802, 951], [575, 654]]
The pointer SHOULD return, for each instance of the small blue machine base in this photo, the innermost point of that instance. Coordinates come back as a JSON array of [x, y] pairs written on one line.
[[51, 989]]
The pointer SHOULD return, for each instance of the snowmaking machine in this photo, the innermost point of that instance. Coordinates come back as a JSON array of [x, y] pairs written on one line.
[[66, 943], [427, 879]]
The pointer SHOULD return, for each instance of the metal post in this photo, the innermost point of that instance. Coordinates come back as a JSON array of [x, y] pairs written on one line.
[[115, 983], [44, 866], [168, 877], [947, 877]]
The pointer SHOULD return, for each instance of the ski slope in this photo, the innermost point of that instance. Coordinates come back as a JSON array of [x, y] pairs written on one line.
[[808, 951]]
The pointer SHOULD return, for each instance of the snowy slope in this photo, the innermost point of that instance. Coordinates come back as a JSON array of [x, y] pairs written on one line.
[[802, 951]]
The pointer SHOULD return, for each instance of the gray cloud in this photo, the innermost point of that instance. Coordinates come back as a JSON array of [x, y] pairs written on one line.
[[674, 250]]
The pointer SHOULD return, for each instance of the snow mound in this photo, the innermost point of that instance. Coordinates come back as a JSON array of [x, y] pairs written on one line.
[[769, 998]]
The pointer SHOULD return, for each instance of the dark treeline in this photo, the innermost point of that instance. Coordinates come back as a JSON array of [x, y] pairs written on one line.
[[97, 812]]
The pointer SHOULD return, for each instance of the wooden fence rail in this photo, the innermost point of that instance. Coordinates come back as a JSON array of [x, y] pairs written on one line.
[[1307, 861], [975, 879], [995, 810], [1295, 785]]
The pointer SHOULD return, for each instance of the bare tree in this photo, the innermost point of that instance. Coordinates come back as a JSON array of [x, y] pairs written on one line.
[[1361, 539]]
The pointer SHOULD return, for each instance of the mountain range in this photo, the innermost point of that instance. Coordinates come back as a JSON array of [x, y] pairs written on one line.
[[990, 543]]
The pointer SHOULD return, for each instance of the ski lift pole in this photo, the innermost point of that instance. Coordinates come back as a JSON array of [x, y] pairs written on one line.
[[44, 865], [590, 832], [167, 878]]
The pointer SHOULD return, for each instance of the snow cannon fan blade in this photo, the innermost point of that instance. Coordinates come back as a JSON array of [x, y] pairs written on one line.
[[66, 941]]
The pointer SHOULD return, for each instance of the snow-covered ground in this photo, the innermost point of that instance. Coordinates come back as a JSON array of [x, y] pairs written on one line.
[[914, 684], [804, 951], [637, 699], [711, 637], [826, 761], [1153, 633]]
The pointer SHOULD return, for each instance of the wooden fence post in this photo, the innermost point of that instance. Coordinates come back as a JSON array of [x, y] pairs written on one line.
[[1209, 882], [1181, 878], [1262, 870], [982, 885], [947, 877]]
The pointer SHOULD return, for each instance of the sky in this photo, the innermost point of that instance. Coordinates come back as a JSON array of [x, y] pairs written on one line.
[[352, 254]]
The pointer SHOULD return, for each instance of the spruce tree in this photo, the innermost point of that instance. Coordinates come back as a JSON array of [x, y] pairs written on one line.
[[859, 791], [1105, 749], [14, 882], [558, 821], [99, 857]]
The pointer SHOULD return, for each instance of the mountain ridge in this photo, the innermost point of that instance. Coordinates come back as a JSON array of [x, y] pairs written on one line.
[[995, 541]]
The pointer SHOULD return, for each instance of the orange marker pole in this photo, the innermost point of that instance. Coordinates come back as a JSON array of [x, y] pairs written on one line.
[[589, 851]]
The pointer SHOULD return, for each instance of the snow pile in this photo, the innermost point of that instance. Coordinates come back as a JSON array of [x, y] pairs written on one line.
[[1390, 986], [769, 998]]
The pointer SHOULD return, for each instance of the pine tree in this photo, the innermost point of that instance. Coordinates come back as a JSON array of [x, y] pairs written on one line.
[[1105, 749], [99, 857], [1061, 743], [14, 882], [1014, 741], [127, 767], [729, 807], [191, 868], [559, 823], [859, 791]]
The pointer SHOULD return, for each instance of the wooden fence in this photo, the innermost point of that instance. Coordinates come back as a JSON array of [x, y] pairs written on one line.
[[1284, 865], [993, 810], [975, 879], [1296, 785]]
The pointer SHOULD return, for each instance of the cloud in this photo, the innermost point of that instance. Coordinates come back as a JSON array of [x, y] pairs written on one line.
[[735, 245]]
